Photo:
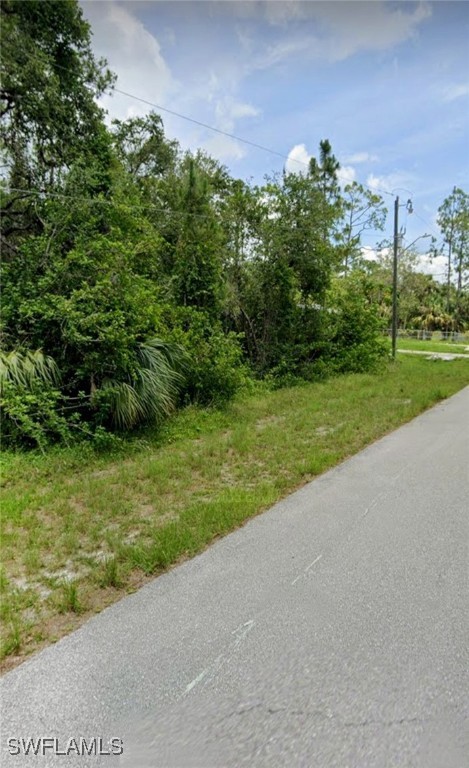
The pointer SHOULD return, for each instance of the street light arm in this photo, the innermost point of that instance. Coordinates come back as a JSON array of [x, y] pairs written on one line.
[[421, 237], [394, 271]]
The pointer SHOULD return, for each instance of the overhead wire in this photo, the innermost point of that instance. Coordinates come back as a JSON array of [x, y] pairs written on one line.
[[219, 130], [125, 206], [235, 137], [146, 204], [427, 223]]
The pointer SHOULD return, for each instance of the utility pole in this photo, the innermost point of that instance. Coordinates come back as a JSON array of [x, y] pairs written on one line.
[[394, 271], [394, 279]]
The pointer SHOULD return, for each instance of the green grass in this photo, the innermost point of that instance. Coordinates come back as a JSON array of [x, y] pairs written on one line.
[[80, 529], [433, 346]]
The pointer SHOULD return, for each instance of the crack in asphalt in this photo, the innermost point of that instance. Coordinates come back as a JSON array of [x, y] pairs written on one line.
[[330, 716]]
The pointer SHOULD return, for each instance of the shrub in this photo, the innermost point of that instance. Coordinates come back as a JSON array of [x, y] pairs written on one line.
[[30, 400], [215, 369], [147, 394], [354, 332]]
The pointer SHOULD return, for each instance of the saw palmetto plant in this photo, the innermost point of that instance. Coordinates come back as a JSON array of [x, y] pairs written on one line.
[[26, 370], [150, 393]]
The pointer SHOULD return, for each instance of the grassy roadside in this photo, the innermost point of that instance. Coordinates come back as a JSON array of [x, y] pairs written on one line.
[[433, 346], [81, 530]]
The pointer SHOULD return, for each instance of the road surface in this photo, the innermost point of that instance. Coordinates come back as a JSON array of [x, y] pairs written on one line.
[[330, 631]]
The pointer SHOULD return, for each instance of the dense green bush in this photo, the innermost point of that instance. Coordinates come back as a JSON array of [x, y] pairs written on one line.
[[149, 275], [215, 370], [355, 340], [30, 401]]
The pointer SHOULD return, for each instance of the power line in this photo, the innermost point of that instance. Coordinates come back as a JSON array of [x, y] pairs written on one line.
[[206, 125], [244, 141], [427, 223], [218, 130], [236, 138], [144, 205]]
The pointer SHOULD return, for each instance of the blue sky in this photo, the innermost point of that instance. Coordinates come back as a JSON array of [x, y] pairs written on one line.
[[386, 82]]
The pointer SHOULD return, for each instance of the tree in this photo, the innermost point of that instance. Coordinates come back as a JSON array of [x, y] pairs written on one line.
[[50, 82], [362, 210], [197, 266], [290, 265], [453, 220], [421, 299], [143, 148], [325, 171], [49, 115]]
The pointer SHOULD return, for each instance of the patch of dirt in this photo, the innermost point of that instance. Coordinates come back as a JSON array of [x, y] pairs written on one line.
[[324, 430], [107, 472], [68, 573], [20, 582], [23, 584], [146, 510], [77, 505], [268, 421]]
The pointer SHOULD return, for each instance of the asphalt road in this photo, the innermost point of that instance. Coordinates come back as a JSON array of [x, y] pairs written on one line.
[[330, 631]]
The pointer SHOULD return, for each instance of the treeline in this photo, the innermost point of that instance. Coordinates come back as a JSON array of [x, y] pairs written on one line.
[[136, 276]]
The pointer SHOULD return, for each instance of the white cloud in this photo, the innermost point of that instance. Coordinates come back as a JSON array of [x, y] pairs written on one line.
[[227, 111], [133, 53], [282, 13], [361, 157], [455, 91], [285, 49], [369, 25], [337, 30], [369, 253], [298, 159], [346, 175], [399, 181], [223, 148], [436, 267]]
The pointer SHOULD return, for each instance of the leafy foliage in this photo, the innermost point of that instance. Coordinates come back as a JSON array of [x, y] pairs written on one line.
[[356, 343], [49, 115], [137, 277], [214, 369], [453, 220], [30, 400], [150, 393]]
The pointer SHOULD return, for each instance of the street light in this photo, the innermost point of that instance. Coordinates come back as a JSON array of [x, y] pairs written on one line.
[[408, 205], [394, 273]]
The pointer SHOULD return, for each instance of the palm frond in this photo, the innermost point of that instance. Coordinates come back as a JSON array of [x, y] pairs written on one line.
[[151, 393], [156, 393], [124, 403], [151, 352], [28, 369]]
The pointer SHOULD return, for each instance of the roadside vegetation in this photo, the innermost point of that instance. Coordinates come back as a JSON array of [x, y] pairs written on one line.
[[81, 529], [178, 347], [138, 278]]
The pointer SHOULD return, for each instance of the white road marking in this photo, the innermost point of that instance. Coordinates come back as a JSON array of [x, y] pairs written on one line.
[[243, 630], [209, 673], [308, 568], [196, 680]]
